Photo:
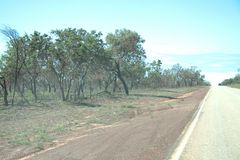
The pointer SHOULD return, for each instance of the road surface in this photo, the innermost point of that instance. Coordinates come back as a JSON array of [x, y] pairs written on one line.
[[217, 133]]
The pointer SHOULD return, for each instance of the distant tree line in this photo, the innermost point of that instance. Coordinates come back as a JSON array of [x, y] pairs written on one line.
[[74, 63], [231, 81]]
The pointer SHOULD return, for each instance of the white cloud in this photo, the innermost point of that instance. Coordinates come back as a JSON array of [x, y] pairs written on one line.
[[215, 65], [178, 46], [217, 77]]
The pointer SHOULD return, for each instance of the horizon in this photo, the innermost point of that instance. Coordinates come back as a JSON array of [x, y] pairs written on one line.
[[185, 32]]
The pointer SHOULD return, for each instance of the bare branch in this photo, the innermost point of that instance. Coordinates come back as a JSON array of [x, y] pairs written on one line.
[[11, 34]]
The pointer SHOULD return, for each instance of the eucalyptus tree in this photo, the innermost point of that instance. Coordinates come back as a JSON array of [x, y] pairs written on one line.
[[177, 72], [73, 61], [135, 73], [60, 57], [88, 59], [3, 79], [16, 55], [36, 59], [97, 58], [125, 47], [232, 81], [74, 53], [155, 73]]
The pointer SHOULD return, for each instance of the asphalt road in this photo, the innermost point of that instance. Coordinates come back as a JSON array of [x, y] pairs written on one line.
[[217, 133]]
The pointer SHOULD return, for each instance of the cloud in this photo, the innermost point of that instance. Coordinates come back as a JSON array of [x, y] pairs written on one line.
[[217, 77], [215, 65]]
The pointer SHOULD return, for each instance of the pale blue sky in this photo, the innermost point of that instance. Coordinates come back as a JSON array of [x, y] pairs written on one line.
[[174, 30]]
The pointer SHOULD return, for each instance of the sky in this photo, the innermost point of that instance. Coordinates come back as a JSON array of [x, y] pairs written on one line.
[[202, 33]]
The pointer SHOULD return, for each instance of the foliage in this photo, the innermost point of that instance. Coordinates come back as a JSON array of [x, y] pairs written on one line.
[[74, 64], [231, 81], [126, 49]]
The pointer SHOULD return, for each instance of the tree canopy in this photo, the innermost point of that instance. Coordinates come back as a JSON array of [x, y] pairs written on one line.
[[232, 81], [74, 63]]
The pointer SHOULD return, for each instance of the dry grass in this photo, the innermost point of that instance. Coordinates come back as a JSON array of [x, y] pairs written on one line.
[[235, 86], [40, 124]]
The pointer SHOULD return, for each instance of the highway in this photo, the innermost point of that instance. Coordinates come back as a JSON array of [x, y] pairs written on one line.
[[216, 135]]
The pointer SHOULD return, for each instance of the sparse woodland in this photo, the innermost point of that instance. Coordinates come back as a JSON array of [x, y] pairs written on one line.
[[73, 64], [232, 81]]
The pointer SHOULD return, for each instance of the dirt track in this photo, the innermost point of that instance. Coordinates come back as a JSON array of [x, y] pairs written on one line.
[[149, 136]]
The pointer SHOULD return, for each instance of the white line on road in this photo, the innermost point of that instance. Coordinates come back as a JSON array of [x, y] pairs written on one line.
[[178, 151]]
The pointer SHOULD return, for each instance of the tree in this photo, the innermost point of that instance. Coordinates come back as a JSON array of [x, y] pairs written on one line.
[[125, 47], [74, 53], [155, 73], [4, 87], [135, 73], [3, 75], [231, 81], [74, 61], [17, 54], [60, 58], [156, 66], [90, 58], [177, 72], [37, 50]]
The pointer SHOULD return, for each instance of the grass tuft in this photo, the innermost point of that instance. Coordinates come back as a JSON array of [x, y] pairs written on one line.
[[41, 123]]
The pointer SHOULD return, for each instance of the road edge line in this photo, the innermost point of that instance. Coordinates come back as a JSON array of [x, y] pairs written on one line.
[[186, 133]]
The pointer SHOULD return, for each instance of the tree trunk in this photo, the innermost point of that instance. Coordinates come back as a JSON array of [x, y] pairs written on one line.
[[79, 90], [69, 88], [121, 79], [114, 84], [100, 84], [90, 90], [75, 92], [31, 85], [23, 87], [54, 88], [62, 93], [106, 86], [14, 88], [82, 88], [15, 75], [81, 84], [5, 93], [35, 88], [10, 87], [131, 85], [49, 88], [60, 82]]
